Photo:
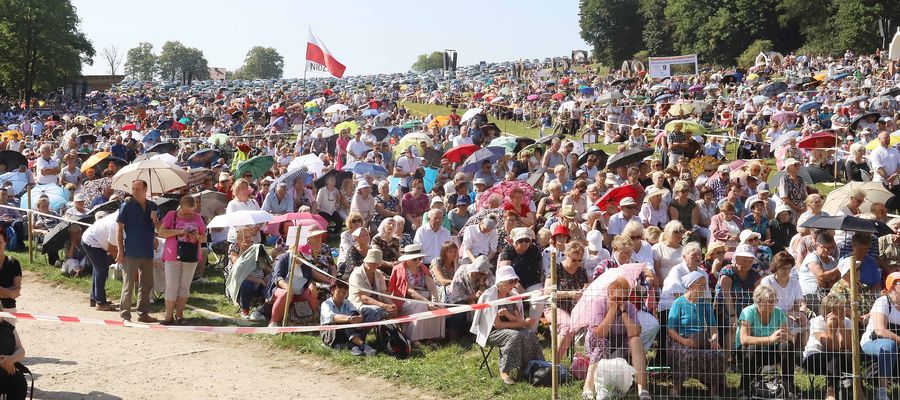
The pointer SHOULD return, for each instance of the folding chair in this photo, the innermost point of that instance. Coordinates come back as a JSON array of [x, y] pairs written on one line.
[[485, 360]]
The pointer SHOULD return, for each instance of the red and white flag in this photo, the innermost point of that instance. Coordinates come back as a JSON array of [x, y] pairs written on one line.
[[318, 55]]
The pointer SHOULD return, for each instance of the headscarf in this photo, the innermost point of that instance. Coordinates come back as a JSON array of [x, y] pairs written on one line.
[[691, 278], [583, 314]]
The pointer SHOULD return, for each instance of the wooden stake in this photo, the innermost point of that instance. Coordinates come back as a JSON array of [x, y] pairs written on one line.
[[290, 289], [30, 230]]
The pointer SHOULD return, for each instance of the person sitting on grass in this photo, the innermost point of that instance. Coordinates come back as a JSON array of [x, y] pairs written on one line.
[[76, 261], [337, 310]]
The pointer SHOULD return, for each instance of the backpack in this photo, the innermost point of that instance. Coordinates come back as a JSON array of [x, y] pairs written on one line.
[[391, 341], [540, 373]]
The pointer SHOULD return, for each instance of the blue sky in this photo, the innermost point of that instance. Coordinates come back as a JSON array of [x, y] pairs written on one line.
[[367, 36]]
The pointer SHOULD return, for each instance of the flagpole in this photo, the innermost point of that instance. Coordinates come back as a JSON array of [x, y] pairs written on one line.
[[303, 123]]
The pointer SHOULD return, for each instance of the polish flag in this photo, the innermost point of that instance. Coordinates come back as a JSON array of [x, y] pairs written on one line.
[[317, 53]]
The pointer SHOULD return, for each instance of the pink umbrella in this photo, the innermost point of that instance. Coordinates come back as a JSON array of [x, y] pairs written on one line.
[[695, 89], [533, 97], [298, 218], [784, 116]]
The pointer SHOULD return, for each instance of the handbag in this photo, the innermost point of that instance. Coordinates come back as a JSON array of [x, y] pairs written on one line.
[[186, 251]]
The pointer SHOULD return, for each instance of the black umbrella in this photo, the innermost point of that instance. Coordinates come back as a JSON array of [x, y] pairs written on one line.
[[237, 114], [890, 92], [522, 143], [339, 177], [12, 159], [166, 204], [630, 156], [120, 117], [109, 207], [602, 157], [847, 223], [207, 119], [729, 77], [87, 138], [819, 174], [164, 147], [203, 158], [548, 139], [621, 81], [56, 238], [104, 163], [380, 133], [774, 89], [164, 125], [861, 117]]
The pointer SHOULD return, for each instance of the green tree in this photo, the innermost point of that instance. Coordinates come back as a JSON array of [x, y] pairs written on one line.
[[181, 63], [657, 33], [261, 63], [428, 62], [612, 27], [748, 58], [42, 46], [141, 63], [854, 26]]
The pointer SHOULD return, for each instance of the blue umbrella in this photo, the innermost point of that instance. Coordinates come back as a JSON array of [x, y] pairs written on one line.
[[587, 90], [19, 181], [277, 121], [472, 164], [57, 194], [809, 105], [839, 76], [369, 113], [364, 168], [291, 176], [663, 97], [400, 132], [152, 135], [237, 128]]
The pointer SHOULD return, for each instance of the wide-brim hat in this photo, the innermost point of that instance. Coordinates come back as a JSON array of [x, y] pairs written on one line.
[[411, 252]]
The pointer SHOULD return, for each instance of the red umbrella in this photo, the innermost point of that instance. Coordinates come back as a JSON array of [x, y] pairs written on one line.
[[327, 92], [558, 96], [615, 195], [129, 127], [460, 152], [298, 218], [477, 96], [818, 140], [178, 126], [564, 81]]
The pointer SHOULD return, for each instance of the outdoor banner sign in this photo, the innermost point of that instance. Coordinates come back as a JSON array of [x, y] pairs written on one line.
[[664, 67]]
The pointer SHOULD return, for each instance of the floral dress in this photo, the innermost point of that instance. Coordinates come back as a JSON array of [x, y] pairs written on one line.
[[390, 250], [390, 204]]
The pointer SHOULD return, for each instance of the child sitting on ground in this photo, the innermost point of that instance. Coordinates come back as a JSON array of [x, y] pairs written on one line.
[[338, 311]]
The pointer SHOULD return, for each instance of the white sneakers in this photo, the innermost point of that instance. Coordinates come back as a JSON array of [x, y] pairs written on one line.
[[364, 350]]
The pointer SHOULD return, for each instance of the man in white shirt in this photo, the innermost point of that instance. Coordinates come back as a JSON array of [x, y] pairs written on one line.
[[99, 242], [462, 138], [47, 168], [480, 239], [356, 148], [432, 236], [405, 167], [885, 162], [37, 128], [618, 220], [369, 138], [279, 201]]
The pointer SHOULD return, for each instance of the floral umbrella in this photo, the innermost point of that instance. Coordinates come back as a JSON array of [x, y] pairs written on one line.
[[504, 189], [94, 188]]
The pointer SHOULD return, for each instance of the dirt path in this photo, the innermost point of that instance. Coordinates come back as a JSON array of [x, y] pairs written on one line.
[[73, 361]]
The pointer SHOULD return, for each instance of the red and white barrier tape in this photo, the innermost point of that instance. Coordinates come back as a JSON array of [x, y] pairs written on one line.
[[442, 312]]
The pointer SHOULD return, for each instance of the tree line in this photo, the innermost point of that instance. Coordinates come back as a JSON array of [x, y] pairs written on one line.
[[178, 62], [720, 31]]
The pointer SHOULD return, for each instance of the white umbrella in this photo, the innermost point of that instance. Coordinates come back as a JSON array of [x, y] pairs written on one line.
[[240, 218], [875, 193], [325, 131], [166, 157], [19, 181], [160, 176], [784, 138], [567, 106], [336, 108], [312, 163], [471, 113], [134, 135]]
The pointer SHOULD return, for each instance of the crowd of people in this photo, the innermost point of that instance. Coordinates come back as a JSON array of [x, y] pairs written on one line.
[[666, 253]]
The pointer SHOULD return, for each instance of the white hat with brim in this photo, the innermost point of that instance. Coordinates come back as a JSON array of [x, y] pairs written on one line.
[[744, 253], [506, 273], [626, 201], [655, 192], [411, 252], [747, 234], [844, 266], [362, 184]]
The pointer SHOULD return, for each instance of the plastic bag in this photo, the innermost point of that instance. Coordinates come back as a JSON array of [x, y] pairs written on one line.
[[616, 375]]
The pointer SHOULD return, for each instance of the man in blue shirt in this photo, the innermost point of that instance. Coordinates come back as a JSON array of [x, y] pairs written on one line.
[[135, 240], [118, 149]]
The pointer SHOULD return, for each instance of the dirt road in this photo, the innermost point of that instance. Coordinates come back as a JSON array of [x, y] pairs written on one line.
[[73, 361]]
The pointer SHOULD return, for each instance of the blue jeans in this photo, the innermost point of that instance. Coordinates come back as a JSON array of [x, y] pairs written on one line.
[[372, 313], [100, 267], [248, 292], [886, 352]]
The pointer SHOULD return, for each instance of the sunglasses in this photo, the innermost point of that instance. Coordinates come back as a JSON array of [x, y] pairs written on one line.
[[637, 237], [523, 241]]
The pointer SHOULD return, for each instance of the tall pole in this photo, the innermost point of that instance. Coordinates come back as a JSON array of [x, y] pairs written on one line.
[[30, 230], [854, 333], [303, 123], [554, 369]]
